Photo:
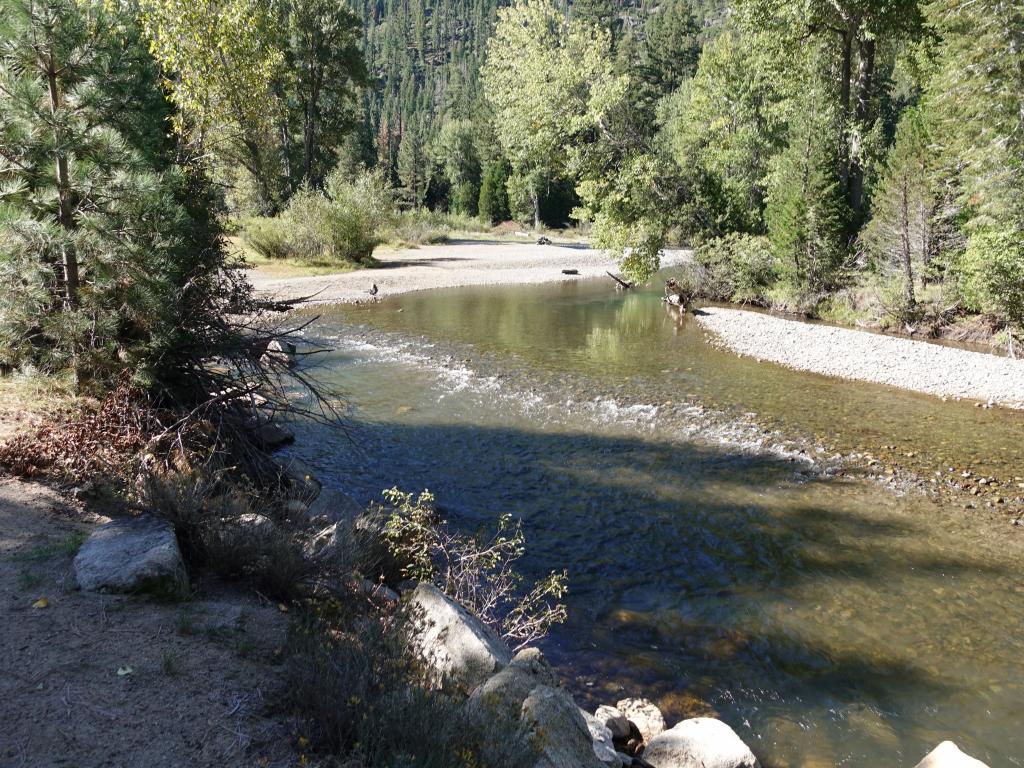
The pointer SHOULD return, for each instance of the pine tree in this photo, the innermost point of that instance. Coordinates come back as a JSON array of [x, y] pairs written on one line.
[[101, 256], [806, 213], [900, 234], [412, 166], [493, 205]]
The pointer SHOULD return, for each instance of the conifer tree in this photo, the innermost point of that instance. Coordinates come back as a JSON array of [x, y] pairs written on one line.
[[806, 213], [900, 234]]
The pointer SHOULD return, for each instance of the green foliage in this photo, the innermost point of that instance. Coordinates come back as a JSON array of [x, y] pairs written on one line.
[[723, 129], [108, 253], [992, 270], [975, 96], [477, 572], [540, 73], [806, 213], [493, 203], [342, 224], [900, 236], [735, 267]]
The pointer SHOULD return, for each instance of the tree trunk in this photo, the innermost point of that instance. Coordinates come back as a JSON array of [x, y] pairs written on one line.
[[65, 214], [862, 120], [908, 271], [309, 144], [846, 40], [535, 199]]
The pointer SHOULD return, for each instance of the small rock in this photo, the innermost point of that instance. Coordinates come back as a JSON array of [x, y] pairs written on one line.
[[613, 720], [601, 736], [132, 555], [644, 715], [701, 742], [948, 755], [459, 649]]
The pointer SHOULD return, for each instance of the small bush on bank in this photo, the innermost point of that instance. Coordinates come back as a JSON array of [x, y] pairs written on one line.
[[353, 679], [992, 275], [736, 267], [342, 224], [476, 571]]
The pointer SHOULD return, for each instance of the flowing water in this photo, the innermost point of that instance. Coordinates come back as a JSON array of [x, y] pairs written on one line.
[[715, 567]]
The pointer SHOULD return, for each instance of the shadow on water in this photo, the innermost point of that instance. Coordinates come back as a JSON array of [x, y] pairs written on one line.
[[820, 618]]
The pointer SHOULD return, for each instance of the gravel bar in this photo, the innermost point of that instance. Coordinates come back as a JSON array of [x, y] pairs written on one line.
[[458, 263], [851, 354]]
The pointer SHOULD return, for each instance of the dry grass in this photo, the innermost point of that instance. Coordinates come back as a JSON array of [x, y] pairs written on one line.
[[282, 268], [28, 399]]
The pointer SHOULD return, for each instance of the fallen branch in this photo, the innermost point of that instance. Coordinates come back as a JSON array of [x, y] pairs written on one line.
[[622, 283]]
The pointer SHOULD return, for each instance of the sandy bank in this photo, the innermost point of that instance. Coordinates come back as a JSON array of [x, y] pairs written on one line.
[[458, 263], [852, 354]]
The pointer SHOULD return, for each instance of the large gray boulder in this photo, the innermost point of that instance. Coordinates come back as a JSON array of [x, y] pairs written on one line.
[[948, 755], [335, 506], [503, 694], [644, 715], [460, 650], [132, 555], [701, 742], [558, 731]]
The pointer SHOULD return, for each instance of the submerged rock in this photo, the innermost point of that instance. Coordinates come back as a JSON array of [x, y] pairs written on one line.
[[132, 555], [460, 651], [644, 715], [558, 730], [701, 742], [948, 755]]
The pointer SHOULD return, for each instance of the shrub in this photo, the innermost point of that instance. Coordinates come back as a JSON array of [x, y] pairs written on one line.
[[232, 531], [992, 275], [342, 224], [737, 267], [477, 572], [352, 677], [267, 236]]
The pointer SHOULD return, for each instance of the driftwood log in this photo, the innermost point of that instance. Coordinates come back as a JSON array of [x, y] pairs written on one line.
[[621, 283]]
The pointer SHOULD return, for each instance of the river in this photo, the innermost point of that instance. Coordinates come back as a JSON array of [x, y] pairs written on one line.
[[722, 557]]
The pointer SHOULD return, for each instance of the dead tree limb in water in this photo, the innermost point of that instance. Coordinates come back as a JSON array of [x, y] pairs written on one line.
[[622, 283]]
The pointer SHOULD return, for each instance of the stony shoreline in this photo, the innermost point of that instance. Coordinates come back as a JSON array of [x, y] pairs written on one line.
[[862, 356]]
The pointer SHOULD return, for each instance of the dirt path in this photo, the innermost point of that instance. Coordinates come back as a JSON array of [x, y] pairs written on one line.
[[851, 354], [458, 263], [201, 680]]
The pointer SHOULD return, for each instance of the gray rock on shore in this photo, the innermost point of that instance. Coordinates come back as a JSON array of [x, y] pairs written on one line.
[[701, 742], [460, 651], [601, 737], [644, 715], [948, 755], [133, 555], [503, 694], [613, 720], [558, 730]]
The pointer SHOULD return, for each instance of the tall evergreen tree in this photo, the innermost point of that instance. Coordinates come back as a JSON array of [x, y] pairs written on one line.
[[900, 234], [101, 255]]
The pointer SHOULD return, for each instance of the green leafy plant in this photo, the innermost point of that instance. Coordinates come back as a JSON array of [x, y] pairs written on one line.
[[478, 572]]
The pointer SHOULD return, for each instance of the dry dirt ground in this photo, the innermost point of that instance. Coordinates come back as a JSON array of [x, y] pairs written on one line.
[[457, 263], [102, 680]]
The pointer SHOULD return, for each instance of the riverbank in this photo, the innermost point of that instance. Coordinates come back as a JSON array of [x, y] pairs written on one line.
[[451, 265], [862, 356]]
